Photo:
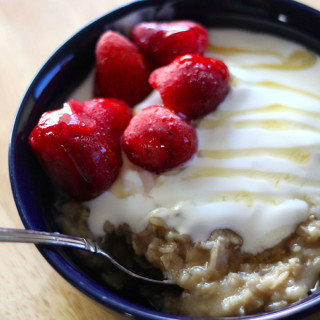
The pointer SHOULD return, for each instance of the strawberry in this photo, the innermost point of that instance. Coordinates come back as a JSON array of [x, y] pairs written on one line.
[[79, 145], [192, 85], [162, 42], [121, 71], [111, 114], [157, 139]]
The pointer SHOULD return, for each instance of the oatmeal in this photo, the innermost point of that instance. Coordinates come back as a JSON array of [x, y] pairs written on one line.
[[237, 226]]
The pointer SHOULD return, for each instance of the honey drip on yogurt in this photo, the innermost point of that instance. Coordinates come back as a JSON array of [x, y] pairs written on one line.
[[236, 51], [274, 108], [274, 124], [241, 196], [268, 124], [280, 86], [273, 177], [300, 155], [299, 59]]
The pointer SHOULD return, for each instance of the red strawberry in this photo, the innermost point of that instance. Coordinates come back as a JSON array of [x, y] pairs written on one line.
[[157, 139], [192, 85], [121, 71], [78, 145], [162, 42], [111, 114]]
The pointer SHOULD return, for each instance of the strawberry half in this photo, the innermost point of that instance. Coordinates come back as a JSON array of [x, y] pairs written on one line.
[[162, 42], [79, 145], [157, 139], [192, 85], [121, 71]]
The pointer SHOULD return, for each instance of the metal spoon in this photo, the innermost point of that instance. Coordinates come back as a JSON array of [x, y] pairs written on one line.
[[58, 239]]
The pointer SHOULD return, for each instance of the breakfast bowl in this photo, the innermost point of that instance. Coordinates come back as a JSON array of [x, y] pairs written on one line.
[[277, 24]]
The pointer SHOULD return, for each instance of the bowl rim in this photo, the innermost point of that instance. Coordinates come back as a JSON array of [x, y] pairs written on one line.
[[79, 279]]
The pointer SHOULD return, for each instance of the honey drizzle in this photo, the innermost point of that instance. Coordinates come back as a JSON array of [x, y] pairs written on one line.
[[277, 85], [300, 155], [236, 50], [275, 125], [297, 60], [268, 124], [273, 177], [206, 123], [251, 197], [274, 85]]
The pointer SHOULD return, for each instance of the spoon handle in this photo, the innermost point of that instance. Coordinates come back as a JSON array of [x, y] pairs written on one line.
[[40, 237], [58, 239]]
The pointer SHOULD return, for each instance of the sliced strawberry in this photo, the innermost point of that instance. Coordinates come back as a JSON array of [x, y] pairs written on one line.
[[121, 71], [192, 85], [78, 145], [157, 139], [162, 42]]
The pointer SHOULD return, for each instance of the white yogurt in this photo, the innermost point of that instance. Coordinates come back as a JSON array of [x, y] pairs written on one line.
[[257, 168]]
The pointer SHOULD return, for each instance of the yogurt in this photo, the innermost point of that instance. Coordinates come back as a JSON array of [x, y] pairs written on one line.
[[256, 171]]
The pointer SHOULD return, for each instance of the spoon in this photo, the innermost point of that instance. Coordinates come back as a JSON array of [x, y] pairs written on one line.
[[58, 239]]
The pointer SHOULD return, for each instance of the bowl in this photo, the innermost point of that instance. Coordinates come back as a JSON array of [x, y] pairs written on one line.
[[71, 64]]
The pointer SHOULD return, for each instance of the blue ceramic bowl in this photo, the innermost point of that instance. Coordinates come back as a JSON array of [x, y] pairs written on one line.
[[71, 63]]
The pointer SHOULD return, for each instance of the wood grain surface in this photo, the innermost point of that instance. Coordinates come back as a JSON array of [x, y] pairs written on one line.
[[29, 32]]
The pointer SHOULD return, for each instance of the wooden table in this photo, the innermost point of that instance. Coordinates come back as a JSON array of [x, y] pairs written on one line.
[[30, 31]]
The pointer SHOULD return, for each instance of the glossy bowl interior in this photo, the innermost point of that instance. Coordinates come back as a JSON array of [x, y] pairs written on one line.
[[68, 67]]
